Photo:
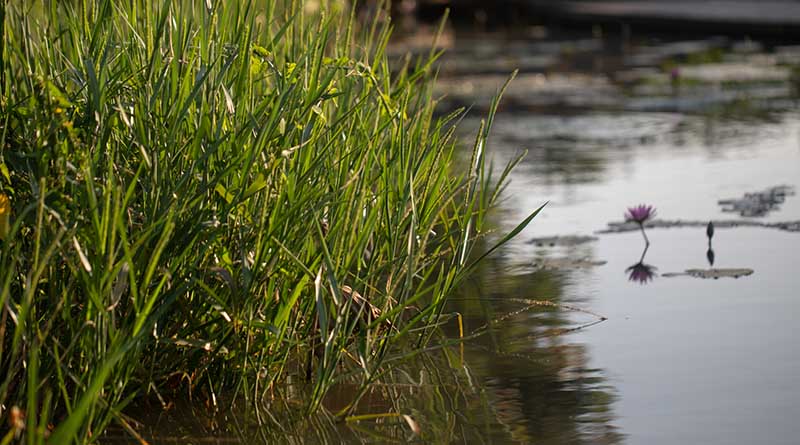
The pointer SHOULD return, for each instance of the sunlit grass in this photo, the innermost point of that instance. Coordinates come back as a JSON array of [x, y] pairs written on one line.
[[193, 193]]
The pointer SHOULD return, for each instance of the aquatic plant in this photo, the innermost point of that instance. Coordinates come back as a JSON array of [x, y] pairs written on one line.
[[200, 190], [710, 251], [641, 214]]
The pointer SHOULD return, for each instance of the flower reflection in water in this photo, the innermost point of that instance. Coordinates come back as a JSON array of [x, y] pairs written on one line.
[[641, 272]]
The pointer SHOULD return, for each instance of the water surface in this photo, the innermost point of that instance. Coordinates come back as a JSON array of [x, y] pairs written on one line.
[[680, 359]]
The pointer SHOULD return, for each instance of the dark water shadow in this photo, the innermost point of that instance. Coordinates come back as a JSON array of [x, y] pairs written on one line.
[[540, 382]]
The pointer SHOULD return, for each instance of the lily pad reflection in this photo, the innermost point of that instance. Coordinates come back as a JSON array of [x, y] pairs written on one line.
[[712, 273]]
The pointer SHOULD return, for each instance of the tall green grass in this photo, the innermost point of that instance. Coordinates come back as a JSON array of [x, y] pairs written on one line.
[[202, 196]]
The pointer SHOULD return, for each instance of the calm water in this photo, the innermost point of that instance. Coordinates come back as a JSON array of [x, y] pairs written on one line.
[[679, 359], [585, 355]]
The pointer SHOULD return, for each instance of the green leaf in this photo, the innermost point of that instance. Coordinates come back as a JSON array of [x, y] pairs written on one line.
[[259, 183], [223, 192]]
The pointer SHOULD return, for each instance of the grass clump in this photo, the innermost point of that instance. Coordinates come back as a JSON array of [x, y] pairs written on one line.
[[210, 196]]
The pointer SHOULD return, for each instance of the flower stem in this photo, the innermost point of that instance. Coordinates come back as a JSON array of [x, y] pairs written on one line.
[[644, 252], [647, 241]]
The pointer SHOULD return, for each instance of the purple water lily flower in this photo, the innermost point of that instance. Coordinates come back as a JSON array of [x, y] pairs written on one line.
[[641, 214], [641, 273]]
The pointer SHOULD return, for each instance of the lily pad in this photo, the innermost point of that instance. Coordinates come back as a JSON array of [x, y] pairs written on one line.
[[566, 263], [562, 241], [628, 226], [757, 203], [712, 273]]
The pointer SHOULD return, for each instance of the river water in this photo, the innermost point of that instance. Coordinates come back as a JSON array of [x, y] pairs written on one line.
[[661, 359], [679, 359]]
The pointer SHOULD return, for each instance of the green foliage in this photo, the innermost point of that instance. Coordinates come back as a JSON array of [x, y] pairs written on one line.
[[203, 196]]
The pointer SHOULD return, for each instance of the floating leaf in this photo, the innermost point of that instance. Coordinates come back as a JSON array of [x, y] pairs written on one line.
[[712, 273]]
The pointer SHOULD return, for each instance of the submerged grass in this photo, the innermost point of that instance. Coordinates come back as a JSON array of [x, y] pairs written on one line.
[[205, 197]]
